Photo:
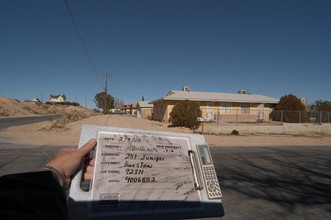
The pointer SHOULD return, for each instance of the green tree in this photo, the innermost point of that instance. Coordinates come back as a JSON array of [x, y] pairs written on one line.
[[322, 106], [185, 114], [104, 101], [289, 109], [321, 111]]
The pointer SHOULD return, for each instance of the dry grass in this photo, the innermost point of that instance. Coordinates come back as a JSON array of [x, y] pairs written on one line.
[[69, 115]]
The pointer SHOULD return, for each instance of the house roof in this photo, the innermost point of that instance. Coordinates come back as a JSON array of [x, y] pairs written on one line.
[[144, 104], [131, 105], [217, 97]]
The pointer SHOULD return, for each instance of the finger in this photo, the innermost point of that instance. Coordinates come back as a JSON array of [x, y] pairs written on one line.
[[90, 162], [89, 169], [65, 150], [87, 147], [87, 176]]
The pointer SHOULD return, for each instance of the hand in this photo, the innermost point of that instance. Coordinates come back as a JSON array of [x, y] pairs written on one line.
[[88, 168], [68, 160]]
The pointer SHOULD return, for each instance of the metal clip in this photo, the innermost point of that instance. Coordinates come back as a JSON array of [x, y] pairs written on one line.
[[197, 179]]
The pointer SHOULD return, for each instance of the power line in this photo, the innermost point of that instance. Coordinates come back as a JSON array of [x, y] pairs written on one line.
[[82, 41]]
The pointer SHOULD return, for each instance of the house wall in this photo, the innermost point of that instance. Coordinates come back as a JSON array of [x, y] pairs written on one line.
[[237, 112], [162, 109], [159, 112], [145, 112], [257, 111], [130, 109], [213, 111]]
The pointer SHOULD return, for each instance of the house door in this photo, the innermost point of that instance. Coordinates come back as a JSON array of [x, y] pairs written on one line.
[[210, 111], [260, 112]]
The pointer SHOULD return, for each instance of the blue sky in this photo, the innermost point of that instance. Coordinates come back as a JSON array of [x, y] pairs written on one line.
[[268, 47]]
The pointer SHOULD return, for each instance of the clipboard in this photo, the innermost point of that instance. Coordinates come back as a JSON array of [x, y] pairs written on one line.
[[141, 174]]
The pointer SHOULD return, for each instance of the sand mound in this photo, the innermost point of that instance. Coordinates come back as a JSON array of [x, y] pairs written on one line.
[[15, 108]]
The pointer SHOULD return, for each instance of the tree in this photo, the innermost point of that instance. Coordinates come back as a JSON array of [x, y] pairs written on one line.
[[289, 109], [322, 106], [118, 103], [185, 114], [104, 101], [321, 111]]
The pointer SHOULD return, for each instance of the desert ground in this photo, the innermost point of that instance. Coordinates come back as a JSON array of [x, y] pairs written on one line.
[[66, 132], [45, 133]]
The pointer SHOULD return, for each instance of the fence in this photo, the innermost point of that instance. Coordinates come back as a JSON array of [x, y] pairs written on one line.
[[300, 116], [255, 115]]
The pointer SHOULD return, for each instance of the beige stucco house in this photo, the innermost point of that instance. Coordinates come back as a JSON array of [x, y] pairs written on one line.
[[144, 109], [229, 107]]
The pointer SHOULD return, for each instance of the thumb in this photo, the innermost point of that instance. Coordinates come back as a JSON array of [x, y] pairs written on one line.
[[87, 147]]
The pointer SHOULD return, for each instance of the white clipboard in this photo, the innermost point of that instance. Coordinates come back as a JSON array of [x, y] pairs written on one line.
[[141, 174]]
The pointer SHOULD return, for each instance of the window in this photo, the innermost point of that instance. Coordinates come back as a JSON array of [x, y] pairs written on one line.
[[225, 108], [245, 108]]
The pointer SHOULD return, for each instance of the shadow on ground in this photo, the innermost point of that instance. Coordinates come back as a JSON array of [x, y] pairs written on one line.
[[285, 181]]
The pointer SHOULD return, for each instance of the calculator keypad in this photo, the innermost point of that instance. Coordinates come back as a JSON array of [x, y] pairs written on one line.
[[213, 188]]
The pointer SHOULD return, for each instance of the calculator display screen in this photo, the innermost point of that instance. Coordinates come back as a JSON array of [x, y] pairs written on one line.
[[205, 155]]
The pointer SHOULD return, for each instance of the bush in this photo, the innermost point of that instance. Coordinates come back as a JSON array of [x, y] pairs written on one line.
[[63, 103], [288, 110], [3, 112], [185, 114], [235, 132], [68, 117]]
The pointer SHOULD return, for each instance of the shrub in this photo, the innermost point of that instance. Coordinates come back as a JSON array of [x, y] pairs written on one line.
[[3, 112], [235, 132], [68, 117], [288, 110], [185, 114], [63, 103]]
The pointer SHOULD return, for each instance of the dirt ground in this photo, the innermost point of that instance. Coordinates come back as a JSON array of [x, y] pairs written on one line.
[[45, 133], [15, 108]]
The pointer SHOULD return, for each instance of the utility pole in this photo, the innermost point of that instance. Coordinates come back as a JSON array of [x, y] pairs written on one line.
[[106, 75]]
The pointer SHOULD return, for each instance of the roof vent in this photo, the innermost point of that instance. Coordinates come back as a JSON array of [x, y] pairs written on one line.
[[186, 89], [243, 91]]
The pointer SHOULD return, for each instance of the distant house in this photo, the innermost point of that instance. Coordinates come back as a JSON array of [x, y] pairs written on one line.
[[35, 100], [130, 108], [57, 98], [229, 107], [144, 109]]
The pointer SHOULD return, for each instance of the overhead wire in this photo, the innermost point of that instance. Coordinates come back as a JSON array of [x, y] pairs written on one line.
[[80, 35]]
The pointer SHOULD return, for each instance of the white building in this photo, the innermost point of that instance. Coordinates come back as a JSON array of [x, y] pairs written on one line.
[[57, 98]]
